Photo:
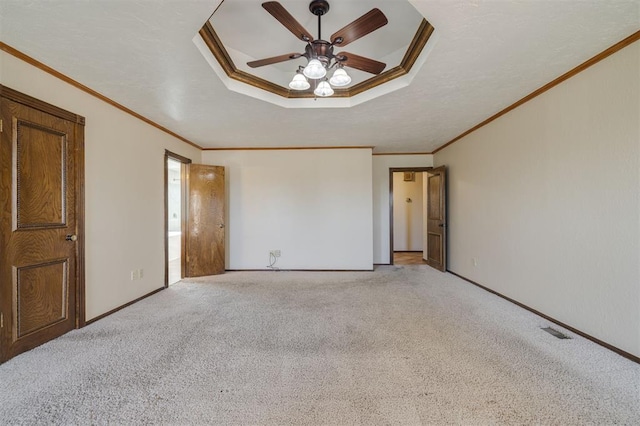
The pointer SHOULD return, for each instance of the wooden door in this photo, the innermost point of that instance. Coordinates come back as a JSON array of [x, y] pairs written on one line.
[[204, 251], [436, 219], [39, 224]]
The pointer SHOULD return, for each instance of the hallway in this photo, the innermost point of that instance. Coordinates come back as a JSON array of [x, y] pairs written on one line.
[[408, 258]]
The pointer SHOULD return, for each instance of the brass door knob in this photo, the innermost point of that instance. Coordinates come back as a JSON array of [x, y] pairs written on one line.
[[71, 237]]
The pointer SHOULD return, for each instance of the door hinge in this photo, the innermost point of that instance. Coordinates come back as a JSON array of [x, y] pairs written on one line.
[[0, 125], [1, 320]]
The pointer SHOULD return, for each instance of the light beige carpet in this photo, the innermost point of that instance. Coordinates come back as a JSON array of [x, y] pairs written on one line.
[[401, 345]]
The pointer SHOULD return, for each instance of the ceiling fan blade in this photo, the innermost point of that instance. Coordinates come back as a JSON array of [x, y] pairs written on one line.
[[273, 60], [362, 26], [280, 13], [361, 63]]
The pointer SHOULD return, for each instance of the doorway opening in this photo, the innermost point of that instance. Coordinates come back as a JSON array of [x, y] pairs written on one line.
[[407, 210], [175, 208]]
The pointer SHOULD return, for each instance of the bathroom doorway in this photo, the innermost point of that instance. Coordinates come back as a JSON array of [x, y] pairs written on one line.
[[175, 205]]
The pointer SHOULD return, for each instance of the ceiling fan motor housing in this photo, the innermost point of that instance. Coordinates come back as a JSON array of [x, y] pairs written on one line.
[[321, 50], [319, 7]]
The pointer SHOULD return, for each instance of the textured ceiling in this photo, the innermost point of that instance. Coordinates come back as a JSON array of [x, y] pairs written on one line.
[[486, 55]]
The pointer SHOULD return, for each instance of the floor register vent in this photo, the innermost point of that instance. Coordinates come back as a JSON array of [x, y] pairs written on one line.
[[556, 333]]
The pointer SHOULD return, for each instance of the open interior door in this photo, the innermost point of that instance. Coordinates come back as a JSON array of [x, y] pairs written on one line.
[[204, 245], [436, 217]]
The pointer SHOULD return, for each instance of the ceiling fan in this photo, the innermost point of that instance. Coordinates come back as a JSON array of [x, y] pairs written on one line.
[[319, 52]]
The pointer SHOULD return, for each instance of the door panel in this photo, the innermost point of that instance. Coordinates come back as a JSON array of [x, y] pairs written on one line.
[[205, 253], [38, 227], [40, 176], [434, 248], [41, 296], [436, 219]]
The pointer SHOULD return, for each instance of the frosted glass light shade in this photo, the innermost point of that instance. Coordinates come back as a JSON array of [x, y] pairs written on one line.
[[340, 78], [299, 82], [314, 69], [323, 89]]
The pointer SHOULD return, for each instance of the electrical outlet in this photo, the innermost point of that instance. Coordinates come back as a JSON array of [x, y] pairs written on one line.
[[140, 273], [475, 261], [275, 253], [134, 275]]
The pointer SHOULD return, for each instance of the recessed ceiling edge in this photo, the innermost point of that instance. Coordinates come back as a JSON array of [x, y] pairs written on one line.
[[248, 84]]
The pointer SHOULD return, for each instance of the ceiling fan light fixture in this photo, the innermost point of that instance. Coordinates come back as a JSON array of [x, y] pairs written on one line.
[[314, 69], [323, 89], [340, 78], [319, 52], [299, 82]]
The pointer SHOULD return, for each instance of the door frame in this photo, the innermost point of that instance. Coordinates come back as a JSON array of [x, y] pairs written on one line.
[[393, 170], [31, 102], [183, 213]]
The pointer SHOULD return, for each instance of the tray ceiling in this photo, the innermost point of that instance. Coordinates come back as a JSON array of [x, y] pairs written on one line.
[[243, 31]]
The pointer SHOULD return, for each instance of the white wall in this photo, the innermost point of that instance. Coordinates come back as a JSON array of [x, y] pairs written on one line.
[[124, 178], [407, 215], [547, 199], [313, 205], [381, 166]]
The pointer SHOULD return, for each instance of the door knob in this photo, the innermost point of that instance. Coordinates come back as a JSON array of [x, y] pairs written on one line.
[[221, 225], [71, 237], [442, 225]]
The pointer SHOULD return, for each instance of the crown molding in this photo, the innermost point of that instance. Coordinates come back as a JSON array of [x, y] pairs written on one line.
[[284, 148], [403, 153], [31, 61], [573, 72]]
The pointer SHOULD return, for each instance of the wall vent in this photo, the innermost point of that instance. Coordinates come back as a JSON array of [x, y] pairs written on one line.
[[556, 333]]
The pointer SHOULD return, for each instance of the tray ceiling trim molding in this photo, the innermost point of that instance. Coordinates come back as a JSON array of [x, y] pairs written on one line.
[[237, 80]]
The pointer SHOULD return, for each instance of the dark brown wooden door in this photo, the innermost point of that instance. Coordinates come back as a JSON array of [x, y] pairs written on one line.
[[38, 227], [205, 221], [436, 218]]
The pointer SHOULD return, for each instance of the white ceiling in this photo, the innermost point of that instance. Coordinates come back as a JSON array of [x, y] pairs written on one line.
[[487, 55]]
